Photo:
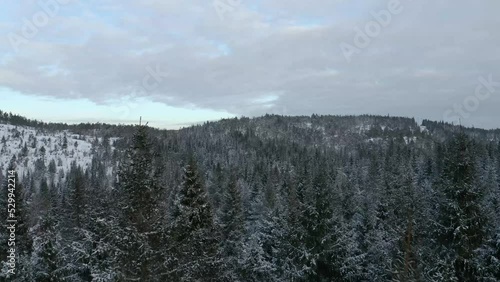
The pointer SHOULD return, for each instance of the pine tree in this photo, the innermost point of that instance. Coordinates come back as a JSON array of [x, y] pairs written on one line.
[[52, 166], [141, 196], [77, 193], [291, 243], [44, 201], [462, 221], [64, 144], [24, 151], [310, 235], [45, 251], [406, 263], [46, 236], [319, 228], [193, 254], [100, 239], [232, 227], [138, 180]]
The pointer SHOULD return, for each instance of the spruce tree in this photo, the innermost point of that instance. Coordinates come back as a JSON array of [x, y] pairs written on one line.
[[462, 221], [192, 233], [45, 251], [141, 194], [77, 194], [319, 227], [232, 227]]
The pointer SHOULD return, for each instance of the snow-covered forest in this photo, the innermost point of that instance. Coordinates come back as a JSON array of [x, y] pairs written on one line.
[[274, 198]]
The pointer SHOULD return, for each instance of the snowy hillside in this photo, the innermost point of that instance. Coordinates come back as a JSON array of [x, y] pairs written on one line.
[[273, 198], [30, 146]]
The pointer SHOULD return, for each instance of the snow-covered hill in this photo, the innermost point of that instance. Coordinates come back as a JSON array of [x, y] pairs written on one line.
[[30, 145]]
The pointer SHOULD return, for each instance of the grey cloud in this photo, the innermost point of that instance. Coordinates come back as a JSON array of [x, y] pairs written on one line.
[[427, 59]]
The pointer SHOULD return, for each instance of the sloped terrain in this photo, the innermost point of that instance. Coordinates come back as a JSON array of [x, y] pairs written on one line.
[[273, 198]]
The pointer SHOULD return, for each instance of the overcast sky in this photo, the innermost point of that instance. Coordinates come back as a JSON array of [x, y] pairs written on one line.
[[176, 62]]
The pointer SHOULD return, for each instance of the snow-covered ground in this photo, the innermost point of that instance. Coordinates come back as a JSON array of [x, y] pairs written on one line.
[[14, 138]]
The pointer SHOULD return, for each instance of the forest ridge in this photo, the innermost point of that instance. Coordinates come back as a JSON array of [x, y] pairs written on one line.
[[274, 198]]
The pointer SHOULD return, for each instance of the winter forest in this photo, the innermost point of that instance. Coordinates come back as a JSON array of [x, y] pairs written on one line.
[[273, 198]]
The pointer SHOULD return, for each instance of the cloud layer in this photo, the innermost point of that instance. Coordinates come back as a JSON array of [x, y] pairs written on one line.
[[255, 57]]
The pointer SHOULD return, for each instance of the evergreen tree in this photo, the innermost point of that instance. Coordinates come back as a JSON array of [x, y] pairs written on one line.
[[192, 235], [319, 228], [64, 144], [141, 196], [232, 227], [462, 222], [77, 193], [45, 251]]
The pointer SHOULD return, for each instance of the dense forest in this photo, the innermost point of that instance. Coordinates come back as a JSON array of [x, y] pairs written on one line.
[[274, 198]]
